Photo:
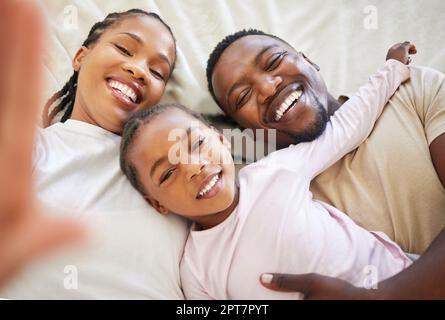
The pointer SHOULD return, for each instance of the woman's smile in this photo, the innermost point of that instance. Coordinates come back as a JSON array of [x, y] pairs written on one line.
[[129, 94]]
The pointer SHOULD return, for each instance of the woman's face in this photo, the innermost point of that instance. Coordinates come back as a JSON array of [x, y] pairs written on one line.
[[124, 71]]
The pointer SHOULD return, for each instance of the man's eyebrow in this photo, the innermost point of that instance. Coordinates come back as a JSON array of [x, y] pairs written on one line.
[[256, 60], [161, 160], [263, 51]]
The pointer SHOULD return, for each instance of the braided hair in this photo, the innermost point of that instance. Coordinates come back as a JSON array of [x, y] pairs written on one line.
[[66, 96]]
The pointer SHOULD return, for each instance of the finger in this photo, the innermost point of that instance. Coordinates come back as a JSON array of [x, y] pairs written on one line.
[[287, 282], [23, 82], [20, 82]]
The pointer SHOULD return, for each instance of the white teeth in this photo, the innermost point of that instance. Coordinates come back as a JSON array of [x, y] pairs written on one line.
[[287, 103], [209, 186], [124, 89]]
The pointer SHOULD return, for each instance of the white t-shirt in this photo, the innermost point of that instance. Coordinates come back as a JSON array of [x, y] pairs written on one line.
[[132, 252], [278, 226]]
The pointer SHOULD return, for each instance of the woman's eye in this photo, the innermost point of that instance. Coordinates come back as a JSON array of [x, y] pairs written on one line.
[[123, 50], [157, 74], [276, 60], [242, 99], [166, 175]]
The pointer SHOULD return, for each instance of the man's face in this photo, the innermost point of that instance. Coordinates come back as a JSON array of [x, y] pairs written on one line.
[[263, 83]]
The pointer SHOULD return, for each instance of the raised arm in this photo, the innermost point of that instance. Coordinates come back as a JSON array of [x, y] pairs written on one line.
[[353, 122], [25, 233]]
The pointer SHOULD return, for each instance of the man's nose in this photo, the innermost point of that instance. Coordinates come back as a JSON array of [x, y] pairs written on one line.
[[138, 72], [267, 87]]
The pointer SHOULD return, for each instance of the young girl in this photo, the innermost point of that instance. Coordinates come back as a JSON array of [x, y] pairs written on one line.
[[269, 221], [122, 67]]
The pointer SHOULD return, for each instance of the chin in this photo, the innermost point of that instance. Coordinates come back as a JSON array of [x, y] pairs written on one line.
[[312, 130]]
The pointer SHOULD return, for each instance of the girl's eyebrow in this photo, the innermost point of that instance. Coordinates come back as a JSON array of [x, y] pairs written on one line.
[[133, 36], [161, 160]]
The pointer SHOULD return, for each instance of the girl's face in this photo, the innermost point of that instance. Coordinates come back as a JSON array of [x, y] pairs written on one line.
[[187, 169], [124, 71]]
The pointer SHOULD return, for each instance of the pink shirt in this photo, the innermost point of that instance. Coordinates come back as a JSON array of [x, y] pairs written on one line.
[[278, 226]]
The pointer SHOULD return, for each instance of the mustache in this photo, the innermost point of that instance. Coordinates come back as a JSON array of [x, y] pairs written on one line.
[[315, 129]]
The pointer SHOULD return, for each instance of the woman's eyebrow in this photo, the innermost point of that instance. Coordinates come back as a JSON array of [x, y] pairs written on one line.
[[140, 41]]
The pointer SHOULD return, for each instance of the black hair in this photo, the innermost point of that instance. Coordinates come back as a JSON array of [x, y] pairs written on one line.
[[67, 95], [131, 129], [222, 46]]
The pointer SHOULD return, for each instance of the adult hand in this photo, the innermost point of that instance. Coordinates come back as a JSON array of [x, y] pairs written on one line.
[[401, 52], [24, 232], [314, 286]]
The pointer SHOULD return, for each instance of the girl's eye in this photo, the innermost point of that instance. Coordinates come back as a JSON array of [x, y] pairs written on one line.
[[198, 143], [242, 99], [167, 174], [276, 60], [123, 50], [157, 74]]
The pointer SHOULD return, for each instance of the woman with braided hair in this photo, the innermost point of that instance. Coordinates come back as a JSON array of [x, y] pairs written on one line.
[[123, 66]]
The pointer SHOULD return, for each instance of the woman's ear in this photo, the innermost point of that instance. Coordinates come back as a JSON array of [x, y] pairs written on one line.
[[310, 61], [157, 205], [78, 57]]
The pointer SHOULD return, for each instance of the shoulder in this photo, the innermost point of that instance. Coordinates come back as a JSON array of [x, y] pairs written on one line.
[[425, 80]]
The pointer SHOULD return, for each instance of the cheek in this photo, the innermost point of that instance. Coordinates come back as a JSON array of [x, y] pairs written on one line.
[[155, 92], [248, 116]]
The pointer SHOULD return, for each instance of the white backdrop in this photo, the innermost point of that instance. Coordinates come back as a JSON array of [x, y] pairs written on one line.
[[347, 39]]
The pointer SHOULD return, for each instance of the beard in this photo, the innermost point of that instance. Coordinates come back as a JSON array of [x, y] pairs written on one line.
[[313, 130]]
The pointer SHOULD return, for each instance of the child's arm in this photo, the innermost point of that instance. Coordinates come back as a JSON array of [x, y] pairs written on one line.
[[350, 125]]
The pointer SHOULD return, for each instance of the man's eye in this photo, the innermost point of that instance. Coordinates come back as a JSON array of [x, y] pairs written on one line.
[[123, 50], [276, 60], [242, 99], [157, 74], [166, 175]]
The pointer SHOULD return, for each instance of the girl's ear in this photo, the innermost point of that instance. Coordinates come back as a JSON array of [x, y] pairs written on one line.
[[157, 205], [310, 61], [78, 57]]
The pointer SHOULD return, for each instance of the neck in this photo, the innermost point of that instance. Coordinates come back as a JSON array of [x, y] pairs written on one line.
[[213, 220], [333, 105], [80, 114]]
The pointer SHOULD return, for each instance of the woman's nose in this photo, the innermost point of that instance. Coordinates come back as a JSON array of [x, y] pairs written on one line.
[[137, 72]]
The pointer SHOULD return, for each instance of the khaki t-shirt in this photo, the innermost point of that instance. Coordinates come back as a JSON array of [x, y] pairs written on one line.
[[389, 183]]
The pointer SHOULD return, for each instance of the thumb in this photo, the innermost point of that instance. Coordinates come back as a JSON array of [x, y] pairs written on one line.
[[288, 282]]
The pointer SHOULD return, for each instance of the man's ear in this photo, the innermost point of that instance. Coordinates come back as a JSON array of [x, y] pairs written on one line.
[[310, 61], [78, 57], [157, 205]]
